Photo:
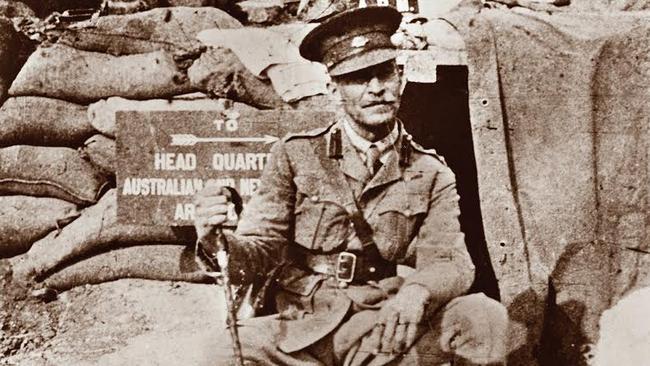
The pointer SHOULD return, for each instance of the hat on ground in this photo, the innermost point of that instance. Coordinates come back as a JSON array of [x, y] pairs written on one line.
[[353, 40]]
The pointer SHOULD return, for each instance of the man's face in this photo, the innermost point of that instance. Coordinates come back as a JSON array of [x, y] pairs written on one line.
[[370, 96]]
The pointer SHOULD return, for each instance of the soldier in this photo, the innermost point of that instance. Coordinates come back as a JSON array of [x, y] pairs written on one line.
[[338, 209]]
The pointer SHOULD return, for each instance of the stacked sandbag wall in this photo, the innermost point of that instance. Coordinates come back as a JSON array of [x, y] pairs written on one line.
[[58, 216]]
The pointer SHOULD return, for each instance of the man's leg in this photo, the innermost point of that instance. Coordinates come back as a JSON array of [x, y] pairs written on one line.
[[258, 338], [470, 330]]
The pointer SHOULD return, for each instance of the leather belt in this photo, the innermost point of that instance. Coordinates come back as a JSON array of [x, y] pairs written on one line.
[[347, 267]]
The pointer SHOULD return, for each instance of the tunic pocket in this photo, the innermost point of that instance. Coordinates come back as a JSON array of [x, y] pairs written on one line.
[[297, 288], [398, 221], [298, 281], [320, 220]]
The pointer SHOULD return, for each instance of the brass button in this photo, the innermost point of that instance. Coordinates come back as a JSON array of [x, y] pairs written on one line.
[[372, 269], [315, 198]]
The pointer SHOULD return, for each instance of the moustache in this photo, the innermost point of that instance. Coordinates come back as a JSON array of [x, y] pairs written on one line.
[[387, 98], [384, 101]]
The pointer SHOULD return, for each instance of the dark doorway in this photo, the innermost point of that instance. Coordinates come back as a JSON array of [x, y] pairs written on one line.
[[437, 115]]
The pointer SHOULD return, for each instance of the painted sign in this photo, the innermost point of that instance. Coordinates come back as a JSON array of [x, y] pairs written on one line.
[[165, 157]]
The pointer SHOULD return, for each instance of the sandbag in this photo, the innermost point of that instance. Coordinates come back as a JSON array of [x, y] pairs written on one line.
[[43, 122], [100, 151], [58, 172], [323, 103], [25, 219], [9, 46], [194, 3], [219, 72], [609, 5], [96, 230], [152, 262], [170, 29], [101, 114], [63, 72], [121, 7], [13, 8], [318, 10]]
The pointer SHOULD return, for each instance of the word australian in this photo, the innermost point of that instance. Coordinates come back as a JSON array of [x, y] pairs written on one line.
[[148, 186]]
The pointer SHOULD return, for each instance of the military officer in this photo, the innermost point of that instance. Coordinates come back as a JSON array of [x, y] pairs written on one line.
[[338, 209]]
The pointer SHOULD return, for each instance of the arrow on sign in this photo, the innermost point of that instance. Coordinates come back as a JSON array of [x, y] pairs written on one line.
[[187, 139]]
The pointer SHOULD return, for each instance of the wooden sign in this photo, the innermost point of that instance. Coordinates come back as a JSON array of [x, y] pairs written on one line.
[[165, 157]]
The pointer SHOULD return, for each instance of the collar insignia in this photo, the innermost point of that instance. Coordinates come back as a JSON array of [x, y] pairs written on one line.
[[359, 42]]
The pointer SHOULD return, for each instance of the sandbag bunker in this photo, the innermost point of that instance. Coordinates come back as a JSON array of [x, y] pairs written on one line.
[[58, 214]]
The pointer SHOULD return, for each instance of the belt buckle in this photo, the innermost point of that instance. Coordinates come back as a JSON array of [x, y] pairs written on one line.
[[345, 267]]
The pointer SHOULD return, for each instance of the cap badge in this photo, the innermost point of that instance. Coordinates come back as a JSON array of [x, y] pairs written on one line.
[[359, 41]]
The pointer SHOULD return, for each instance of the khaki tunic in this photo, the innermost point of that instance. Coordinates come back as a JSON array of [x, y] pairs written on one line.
[[412, 209]]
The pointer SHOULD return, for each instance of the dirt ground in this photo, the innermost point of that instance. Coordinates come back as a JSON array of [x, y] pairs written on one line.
[[131, 321]]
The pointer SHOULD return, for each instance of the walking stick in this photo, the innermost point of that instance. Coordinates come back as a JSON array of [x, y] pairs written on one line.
[[222, 262]]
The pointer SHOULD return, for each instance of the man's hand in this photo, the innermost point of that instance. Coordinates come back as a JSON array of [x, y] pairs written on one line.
[[211, 209], [398, 320]]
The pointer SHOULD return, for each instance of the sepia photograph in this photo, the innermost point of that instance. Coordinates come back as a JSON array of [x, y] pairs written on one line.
[[325, 182]]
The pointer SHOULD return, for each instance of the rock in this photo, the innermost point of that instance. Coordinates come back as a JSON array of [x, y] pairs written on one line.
[[263, 11]]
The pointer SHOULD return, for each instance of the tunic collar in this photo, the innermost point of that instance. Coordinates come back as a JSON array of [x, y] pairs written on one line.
[[362, 145]]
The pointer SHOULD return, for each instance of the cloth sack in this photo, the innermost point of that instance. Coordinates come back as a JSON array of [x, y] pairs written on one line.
[[101, 114], [266, 53], [8, 50], [43, 122], [172, 29], [121, 7], [319, 10], [194, 3], [66, 73], [151, 262], [296, 81], [25, 219], [100, 151], [218, 72], [96, 230], [11, 9], [58, 172]]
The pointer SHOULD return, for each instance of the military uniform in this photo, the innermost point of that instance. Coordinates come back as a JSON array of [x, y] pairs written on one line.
[[330, 233], [300, 220]]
